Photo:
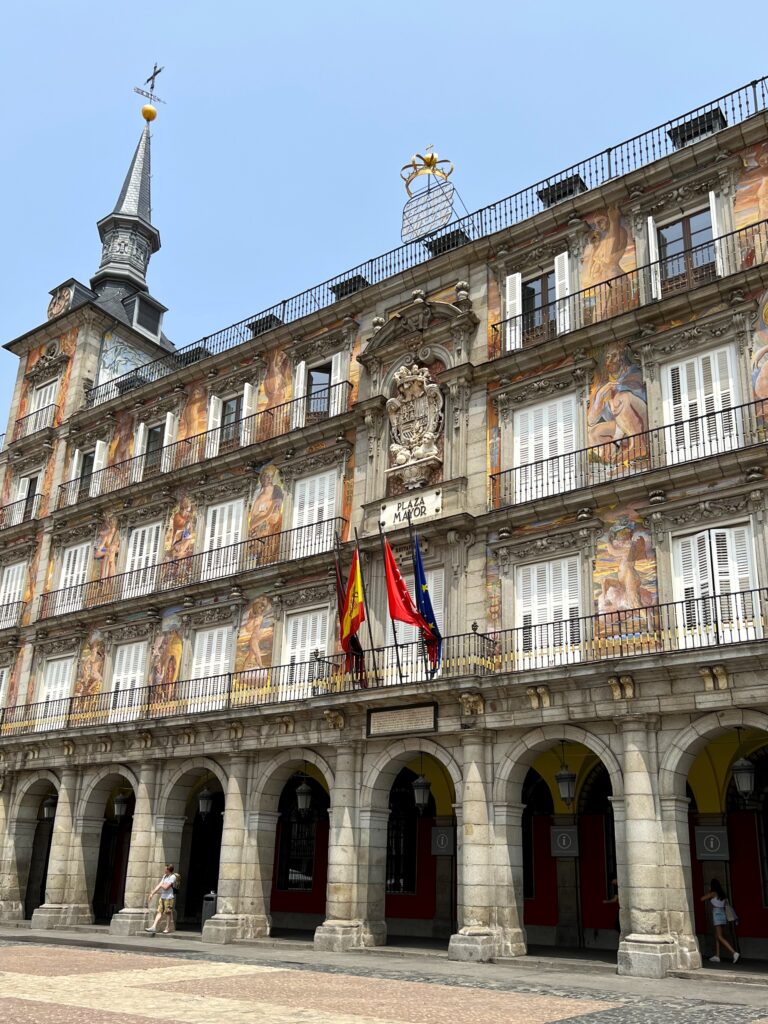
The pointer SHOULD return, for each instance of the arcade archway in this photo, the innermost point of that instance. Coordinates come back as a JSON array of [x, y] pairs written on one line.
[[112, 801], [32, 835]]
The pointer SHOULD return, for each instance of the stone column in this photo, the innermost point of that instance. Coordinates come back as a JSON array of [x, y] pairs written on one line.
[[65, 865], [507, 855], [342, 928], [372, 875], [678, 883], [140, 876], [478, 937], [647, 949], [231, 918], [16, 842], [257, 882]]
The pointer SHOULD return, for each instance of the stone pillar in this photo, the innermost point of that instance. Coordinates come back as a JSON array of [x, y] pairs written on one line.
[[16, 842], [260, 855], [140, 876], [342, 928], [479, 937], [372, 875], [508, 875], [678, 882], [65, 865], [231, 920], [647, 949]]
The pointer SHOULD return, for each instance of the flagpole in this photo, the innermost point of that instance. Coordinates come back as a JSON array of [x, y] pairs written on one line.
[[411, 535], [367, 609], [394, 627]]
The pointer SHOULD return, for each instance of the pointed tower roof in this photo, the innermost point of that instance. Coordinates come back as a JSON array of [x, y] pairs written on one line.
[[127, 234]]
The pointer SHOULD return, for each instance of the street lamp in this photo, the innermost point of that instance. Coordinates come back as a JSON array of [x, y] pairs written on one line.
[[744, 776], [566, 780], [121, 805], [48, 808], [421, 790], [205, 802], [303, 796]]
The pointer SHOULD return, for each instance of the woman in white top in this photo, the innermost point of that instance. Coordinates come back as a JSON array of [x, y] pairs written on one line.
[[718, 900], [166, 902]]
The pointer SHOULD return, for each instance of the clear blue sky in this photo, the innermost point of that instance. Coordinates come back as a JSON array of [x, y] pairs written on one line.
[[276, 159]]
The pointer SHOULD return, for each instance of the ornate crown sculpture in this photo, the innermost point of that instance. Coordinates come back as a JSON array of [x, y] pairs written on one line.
[[429, 164]]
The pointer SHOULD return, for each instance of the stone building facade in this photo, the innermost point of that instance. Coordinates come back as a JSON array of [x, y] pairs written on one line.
[[567, 392]]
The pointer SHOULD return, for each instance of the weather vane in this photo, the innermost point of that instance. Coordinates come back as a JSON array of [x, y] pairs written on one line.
[[431, 208], [151, 83]]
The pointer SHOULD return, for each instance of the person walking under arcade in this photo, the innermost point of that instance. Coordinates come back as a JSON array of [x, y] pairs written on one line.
[[165, 905], [719, 901]]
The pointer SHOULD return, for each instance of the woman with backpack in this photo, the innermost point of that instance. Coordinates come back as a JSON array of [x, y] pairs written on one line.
[[166, 887], [720, 905]]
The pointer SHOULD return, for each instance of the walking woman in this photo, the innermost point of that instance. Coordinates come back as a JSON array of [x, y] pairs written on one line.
[[718, 899]]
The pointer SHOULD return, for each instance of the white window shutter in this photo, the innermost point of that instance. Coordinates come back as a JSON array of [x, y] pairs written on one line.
[[139, 448], [223, 532], [170, 434], [213, 432], [314, 503], [76, 464], [513, 308], [99, 462], [4, 674], [211, 652], [57, 679], [299, 407], [697, 394], [12, 583], [141, 563], [544, 443], [717, 233], [128, 675], [305, 633], [338, 396], [653, 259], [247, 432], [562, 292], [22, 488]]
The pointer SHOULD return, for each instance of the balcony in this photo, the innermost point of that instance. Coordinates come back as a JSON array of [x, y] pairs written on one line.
[[713, 434], [206, 566], [10, 614], [22, 511], [689, 625], [263, 426], [673, 275], [734, 108], [33, 423]]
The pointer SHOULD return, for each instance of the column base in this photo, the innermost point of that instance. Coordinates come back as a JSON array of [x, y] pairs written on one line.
[[224, 928], [513, 942], [61, 915], [11, 910], [647, 956], [131, 921], [339, 936], [475, 944]]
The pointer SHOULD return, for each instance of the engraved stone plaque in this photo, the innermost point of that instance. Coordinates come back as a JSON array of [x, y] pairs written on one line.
[[414, 718]]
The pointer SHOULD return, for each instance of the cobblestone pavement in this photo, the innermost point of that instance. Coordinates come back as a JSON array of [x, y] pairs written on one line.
[[42, 984]]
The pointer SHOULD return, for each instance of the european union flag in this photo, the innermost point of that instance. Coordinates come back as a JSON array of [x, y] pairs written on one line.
[[433, 641]]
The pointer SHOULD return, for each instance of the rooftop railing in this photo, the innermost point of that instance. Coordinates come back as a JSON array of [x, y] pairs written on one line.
[[691, 624], [41, 419], [711, 434], [731, 109], [256, 429], [21, 511], [10, 614], [681, 272], [257, 552]]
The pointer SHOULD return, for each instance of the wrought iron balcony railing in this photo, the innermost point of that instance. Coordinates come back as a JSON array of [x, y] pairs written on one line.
[[691, 624], [714, 433], [671, 275], [21, 511], [10, 614], [256, 429], [34, 422], [233, 560], [643, 149]]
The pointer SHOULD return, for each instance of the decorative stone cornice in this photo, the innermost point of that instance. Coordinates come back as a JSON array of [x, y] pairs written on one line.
[[50, 364], [206, 487], [64, 534], [46, 646], [657, 348], [581, 538], [303, 596], [539, 257], [659, 521], [536, 389], [159, 407], [211, 615], [720, 178], [292, 467], [321, 346], [130, 515], [235, 379], [17, 552], [128, 632]]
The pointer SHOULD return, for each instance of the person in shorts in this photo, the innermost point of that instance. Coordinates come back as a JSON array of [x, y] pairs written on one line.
[[718, 900], [166, 903]]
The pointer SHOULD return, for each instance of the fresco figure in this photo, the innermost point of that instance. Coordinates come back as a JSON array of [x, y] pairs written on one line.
[[107, 547], [277, 384], [121, 445], [254, 641], [181, 539], [90, 676], [624, 587], [618, 407], [608, 247], [165, 662], [265, 519], [194, 415]]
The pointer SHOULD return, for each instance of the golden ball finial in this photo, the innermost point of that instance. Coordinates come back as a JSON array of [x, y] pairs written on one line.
[[148, 112]]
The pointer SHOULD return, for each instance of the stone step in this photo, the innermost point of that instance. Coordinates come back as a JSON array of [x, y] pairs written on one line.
[[724, 975], [571, 965]]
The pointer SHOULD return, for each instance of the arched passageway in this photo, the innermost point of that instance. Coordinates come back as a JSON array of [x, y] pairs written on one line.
[[114, 847], [33, 843]]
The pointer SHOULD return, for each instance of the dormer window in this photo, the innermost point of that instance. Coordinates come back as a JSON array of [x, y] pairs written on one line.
[[146, 315]]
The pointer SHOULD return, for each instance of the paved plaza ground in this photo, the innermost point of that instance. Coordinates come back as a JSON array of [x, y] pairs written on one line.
[[172, 981]]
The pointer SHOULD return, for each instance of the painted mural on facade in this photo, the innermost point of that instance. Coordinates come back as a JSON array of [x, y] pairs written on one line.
[[121, 444], [494, 315], [90, 670], [165, 656], [751, 201], [277, 384], [265, 515], [194, 416], [254, 641], [608, 254], [625, 564], [117, 357], [181, 535], [106, 550], [617, 410], [760, 351], [66, 344]]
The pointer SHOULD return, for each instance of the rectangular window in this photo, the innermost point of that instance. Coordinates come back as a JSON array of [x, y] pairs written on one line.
[[306, 633], [4, 676], [318, 392], [13, 579], [141, 566], [211, 663], [538, 301], [714, 584], [44, 395], [57, 686], [698, 399], [409, 637], [223, 533], [544, 442], [153, 446], [548, 630], [314, 509], [231, 414], [128, 677], [74, 569], [686, 252]]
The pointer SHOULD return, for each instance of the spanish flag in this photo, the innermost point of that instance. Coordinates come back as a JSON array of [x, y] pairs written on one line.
[[352, 614]]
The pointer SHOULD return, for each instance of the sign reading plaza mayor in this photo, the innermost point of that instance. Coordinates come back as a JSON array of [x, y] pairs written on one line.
[[421, 506]]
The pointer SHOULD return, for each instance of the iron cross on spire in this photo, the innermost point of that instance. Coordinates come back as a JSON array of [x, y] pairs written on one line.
[[151, 83]]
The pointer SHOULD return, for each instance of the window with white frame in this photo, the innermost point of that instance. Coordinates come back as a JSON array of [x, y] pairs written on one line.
[[536, 307], [306, 634], [699, 394], [84, 472], [548, 629], [128, 676], [141, 564], [13, 580], [686, 251], [317, 389], [211, 664], [24, 493], [230, 421], [714, 584], [223, 533], [544, 440], [56, 690], [5, 674], [43, 395], [74, 571], [412, 654], [314, 510]]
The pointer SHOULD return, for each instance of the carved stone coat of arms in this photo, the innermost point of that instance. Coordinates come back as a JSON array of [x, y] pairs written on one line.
[[415, 419]]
